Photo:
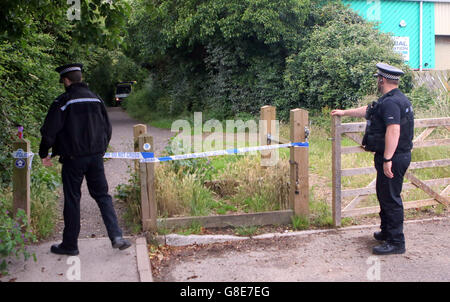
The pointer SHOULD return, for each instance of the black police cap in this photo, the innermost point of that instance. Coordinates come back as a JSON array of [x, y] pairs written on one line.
[[389, 72], [69, 68]]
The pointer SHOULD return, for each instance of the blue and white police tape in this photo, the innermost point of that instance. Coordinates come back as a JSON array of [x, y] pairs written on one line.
[[149, 157]]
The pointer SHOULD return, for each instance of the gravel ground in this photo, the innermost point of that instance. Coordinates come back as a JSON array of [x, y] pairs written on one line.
[[117, 172], [337, 255]]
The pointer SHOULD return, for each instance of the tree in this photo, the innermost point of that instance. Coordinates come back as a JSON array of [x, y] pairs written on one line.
[[334, 67]]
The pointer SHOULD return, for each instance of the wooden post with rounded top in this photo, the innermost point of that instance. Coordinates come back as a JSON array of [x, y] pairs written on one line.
[[21, 177]]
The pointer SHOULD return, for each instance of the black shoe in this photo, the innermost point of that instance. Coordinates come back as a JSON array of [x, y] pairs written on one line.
[[120, 243], [388, 248], [380, 236], [57, 249]]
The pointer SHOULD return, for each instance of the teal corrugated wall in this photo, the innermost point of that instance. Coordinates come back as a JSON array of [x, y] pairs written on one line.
[[389, 14]]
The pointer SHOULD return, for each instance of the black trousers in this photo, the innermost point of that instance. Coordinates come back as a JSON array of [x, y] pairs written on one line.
[[388, 193], [73, 172]]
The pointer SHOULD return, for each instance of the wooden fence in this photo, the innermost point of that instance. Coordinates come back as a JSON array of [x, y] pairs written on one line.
[[433, 79], [299, 185], [353, 131]]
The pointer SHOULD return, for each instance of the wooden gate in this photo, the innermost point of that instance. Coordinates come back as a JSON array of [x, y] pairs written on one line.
[[354, 132]]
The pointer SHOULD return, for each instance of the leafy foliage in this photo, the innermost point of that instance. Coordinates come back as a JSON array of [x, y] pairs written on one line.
[[14, 236], [35, 37], [229, 57], [334, 67]]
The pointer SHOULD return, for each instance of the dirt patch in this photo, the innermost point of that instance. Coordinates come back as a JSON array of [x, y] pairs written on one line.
[[164, 257]]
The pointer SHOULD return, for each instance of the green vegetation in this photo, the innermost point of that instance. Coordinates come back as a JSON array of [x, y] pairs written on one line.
[[246, 230], [226, 58], [15, 234]]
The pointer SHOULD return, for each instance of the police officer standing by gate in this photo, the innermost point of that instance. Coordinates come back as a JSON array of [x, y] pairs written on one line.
[[389, 133], [77, 128]]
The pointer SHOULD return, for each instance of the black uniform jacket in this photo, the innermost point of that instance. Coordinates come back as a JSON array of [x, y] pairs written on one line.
[[76, 125]]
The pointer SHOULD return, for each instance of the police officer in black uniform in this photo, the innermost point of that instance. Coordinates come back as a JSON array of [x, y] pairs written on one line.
[[77, 128], [389, 133]]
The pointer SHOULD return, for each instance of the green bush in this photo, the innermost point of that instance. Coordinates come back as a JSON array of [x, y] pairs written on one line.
[[334, 67], [15, 234], [230, 57]]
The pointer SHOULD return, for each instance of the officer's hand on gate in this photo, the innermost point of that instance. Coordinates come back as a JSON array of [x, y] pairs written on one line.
[[387, 168], [47, 161], [337, 112]]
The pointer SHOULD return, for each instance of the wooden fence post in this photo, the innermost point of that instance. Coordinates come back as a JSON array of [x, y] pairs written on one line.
[[147, 177], [137, 130], [268, 114], [299, 162], [21, 178], [336, 169]]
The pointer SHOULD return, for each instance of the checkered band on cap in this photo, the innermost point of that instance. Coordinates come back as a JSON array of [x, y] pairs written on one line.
[[388, 76], [69, 69]]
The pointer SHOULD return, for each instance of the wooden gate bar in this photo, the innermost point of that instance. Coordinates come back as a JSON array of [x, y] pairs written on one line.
[[336, 169], [424, 187], [406, 186]]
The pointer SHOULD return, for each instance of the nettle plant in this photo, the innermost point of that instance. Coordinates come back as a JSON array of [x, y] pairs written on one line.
[[15, 234]]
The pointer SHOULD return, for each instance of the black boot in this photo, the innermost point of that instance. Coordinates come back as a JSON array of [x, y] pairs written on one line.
[[120, 243], [58, 249], [380, 236], [388, 248]]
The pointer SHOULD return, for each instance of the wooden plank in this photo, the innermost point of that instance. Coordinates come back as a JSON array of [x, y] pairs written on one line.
[[21, 179], [376, 209], [430, 164], [431, 143], [431, 122], [418, 123], [360, 197], [148, 199], [424, 134], [352, 127], [406, 186], [424, 187], [417, 144], [356, 137], [299, 163], [336, 169], [413, 165], [222, 221]]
